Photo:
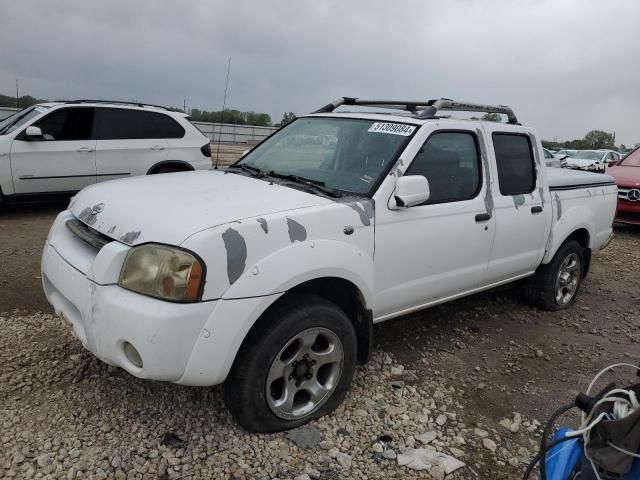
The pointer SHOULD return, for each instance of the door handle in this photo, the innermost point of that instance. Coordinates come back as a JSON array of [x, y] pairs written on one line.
[[85, 150], [536, 209], [483, 217], [157, 147]]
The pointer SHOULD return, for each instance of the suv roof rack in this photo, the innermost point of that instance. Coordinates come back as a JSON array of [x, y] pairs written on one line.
[[423, 110], [116, 102]]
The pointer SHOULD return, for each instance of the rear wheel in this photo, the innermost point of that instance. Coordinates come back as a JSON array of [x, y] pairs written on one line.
[[555, 285], [297, 366]]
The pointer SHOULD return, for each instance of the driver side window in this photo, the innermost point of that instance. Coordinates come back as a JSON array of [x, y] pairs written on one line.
[[68, 124], [451, 163]]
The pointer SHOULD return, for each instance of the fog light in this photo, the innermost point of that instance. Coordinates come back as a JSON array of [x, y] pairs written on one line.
[[132, 354]]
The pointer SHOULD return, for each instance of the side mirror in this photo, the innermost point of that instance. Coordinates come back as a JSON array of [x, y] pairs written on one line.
[[33, 133], [411, 190], [612, 163]]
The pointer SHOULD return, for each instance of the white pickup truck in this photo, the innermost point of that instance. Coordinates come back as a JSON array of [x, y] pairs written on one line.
[[269, 276]]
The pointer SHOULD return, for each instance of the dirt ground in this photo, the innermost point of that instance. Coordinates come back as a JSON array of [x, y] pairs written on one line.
[[506, 356]]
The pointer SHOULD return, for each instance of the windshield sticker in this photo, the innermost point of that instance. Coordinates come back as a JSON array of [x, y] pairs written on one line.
[[392, 128]]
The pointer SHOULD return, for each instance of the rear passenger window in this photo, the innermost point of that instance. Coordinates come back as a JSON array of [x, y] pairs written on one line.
[[121, 124], [451, 164], [516, 168]]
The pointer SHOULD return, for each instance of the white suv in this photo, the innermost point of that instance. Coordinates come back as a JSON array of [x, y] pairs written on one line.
[[65, 146]]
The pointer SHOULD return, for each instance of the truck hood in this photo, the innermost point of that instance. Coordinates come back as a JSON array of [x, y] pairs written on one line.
[[625, 176], [168, 208]]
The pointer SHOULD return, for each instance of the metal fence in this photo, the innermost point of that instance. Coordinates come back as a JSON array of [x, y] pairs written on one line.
[[226, 132], [230, 133], [6, 111]]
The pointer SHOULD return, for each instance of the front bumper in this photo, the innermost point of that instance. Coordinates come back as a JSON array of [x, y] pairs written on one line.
[[105, 317], [628, 212]]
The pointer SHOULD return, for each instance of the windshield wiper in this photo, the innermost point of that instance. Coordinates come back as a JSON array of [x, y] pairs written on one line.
[[253, 171], [315, 184]]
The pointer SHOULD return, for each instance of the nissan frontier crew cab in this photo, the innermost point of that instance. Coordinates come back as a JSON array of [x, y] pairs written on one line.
[[267, 277]]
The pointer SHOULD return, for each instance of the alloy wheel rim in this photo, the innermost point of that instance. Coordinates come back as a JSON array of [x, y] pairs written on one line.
[[568, 279], [304, 374]]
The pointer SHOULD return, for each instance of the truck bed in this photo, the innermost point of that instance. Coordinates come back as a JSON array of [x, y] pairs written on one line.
[[581, 200], [564, 178]]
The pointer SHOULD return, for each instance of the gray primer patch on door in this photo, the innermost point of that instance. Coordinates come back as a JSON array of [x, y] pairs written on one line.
[[558, 206], [518, 200], [130, 237], [537, 163], [488, 195], [264, 225], [297, 233], [236, 253]]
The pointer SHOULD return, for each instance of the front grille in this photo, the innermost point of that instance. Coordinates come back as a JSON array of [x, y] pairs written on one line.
[[87, 234]]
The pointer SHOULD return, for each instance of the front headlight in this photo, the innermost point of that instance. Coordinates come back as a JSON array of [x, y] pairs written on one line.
[[163, 272]]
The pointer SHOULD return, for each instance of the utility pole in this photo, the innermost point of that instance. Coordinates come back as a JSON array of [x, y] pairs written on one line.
[[17, 94], [224, 104], [184, 105]]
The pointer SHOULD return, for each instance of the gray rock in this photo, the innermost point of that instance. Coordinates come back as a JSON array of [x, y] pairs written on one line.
[[344, 460], [306, 436]]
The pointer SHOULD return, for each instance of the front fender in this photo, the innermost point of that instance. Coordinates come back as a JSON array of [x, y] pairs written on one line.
[[258, 288], [301, 262]]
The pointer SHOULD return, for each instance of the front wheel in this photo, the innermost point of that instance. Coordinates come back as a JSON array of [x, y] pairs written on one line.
[[555, 285], [295, 367]]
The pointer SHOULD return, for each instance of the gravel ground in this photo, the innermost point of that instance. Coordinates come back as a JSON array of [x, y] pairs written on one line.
[[470, 380]]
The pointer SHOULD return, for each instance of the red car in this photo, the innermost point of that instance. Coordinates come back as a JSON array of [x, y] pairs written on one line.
[[626, 172]]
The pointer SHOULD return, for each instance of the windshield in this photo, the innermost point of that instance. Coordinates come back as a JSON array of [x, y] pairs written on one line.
[[344, 154], [632, 160], [589, 155], [18, 119]]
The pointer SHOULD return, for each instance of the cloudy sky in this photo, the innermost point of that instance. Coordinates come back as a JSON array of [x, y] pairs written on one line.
[[565, 66]]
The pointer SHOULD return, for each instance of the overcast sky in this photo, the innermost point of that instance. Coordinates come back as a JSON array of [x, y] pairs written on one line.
[[565, 66]]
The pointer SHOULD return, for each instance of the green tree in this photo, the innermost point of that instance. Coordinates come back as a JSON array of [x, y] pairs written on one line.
[[598, 139], [491, 117], [287, 118]]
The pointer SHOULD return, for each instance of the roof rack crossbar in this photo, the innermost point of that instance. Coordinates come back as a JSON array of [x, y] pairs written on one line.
[[427, 109], [448, 104], [393, 104], [116, 102]]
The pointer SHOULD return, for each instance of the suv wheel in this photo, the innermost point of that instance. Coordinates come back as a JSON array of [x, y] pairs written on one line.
[[555, 285], [296, 368]]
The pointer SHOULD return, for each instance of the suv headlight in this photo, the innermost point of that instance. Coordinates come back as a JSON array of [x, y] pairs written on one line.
[[163, 272]]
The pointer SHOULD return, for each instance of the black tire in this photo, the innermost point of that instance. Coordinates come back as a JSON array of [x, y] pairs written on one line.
[[541, 288], [244, 391]]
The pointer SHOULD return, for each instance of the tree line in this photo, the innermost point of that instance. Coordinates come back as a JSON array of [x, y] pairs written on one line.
[[593, 140]]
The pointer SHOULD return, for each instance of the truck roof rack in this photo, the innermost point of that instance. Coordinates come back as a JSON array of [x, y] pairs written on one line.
[[116, 102], [423, 110]]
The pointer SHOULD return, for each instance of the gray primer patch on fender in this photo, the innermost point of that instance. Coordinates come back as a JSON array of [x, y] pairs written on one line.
[[518, 200], [488, 196], [236, 253], [264, 225], [130, 237], [364, 208], [558, 206], [297, 233]]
